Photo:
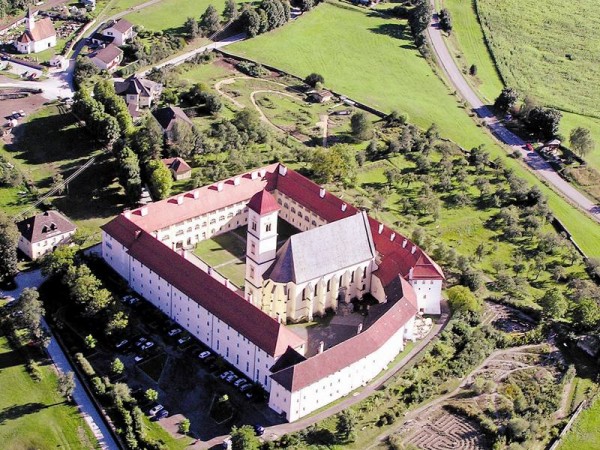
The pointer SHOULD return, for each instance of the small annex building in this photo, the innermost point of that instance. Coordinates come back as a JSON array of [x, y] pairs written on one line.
[[107, 58], [338, 253], [38, 36], [42, 233], [121, 31], [180, 170]]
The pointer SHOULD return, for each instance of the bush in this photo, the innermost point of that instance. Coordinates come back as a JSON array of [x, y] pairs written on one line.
[[252, 69], [98, 386], [85, 365], [33, 368]]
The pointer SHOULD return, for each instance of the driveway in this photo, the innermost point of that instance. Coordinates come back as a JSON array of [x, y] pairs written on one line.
[[85, 405], [537, 164]]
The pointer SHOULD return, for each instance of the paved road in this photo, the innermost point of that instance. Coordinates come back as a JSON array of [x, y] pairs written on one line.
[[538, 165], [85, 405]]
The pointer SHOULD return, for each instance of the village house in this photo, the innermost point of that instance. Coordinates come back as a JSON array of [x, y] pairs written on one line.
[[42, 233], [180, 170], [38, 36], [107, 58], [121, 30], [338, 253], [138, 92], [168, 117], [319, 96]]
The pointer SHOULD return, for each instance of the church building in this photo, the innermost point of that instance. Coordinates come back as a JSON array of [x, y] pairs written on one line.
[[38, 36]]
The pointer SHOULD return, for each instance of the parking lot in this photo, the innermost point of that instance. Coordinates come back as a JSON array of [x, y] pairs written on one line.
[[188, 377]]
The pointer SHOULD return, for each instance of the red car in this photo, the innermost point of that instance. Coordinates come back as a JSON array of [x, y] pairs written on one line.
[[529, 147]]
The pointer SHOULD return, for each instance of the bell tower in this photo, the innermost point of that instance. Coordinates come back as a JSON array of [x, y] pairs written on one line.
[[261, 242], [30, 20]]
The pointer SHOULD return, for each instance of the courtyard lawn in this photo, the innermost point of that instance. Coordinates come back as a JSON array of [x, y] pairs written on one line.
[[585, 434], [390, 74], [221, 249], [32, 414], [468, 47]]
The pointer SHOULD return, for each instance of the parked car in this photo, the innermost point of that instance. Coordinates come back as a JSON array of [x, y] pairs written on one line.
[[226, 444], [122, 344], [147, 345], [162, 414], [231, 378], [259, 430], [204, 355], [225, 374], [529, 147], [245, 387], [239, 382], [141, 341], [155, 409], [174, 332], [183, 340], [138, 358]]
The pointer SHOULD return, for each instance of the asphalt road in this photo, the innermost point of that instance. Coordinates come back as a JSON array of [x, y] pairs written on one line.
[[537, 164]]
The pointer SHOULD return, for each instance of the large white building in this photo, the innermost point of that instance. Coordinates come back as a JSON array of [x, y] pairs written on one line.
[[340, 253], [38, 35]]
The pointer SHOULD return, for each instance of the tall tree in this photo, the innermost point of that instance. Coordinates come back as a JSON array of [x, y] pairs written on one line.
[[507, 99], [544, 122], [581, 141], [361, 127], [345, 426], [209, 21], [183, 140], [230, 12], [554, 304], [462, 299], [191, 27], [9, 237], [57, 263], [250, 20], [336, 163], [159, 178], [244, 438], [66, 384]]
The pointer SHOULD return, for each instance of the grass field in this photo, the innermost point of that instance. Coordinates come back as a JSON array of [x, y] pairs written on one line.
[[547, 49], [467, 45], [584, 434], [32, 414], [225, 254], [389, 74]]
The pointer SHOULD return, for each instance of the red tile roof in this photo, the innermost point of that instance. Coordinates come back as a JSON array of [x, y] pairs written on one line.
[[351, 350], [167, 212], [108, 54], [122, 26], [177, 165], [42, 29], [269, 335], [263, 202]]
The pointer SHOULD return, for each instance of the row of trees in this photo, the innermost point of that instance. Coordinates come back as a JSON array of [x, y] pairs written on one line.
[[267, 16]]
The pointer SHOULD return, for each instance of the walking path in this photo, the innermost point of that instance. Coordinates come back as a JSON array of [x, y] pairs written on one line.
[[33, 279], [537, 164]]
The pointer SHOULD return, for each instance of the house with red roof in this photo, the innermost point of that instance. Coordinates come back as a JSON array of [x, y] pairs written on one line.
[[340, 253], [121, 31], [38, 35], [107, 58], [180, 170]]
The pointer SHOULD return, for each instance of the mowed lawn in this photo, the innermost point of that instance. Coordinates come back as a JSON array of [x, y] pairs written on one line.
[[547, 49], [372, 59], [468, 47], [32, 414], [584, 435], [170, 15]]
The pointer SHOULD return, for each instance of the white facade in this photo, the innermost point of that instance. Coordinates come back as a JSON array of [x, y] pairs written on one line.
[[429, 295], [41, 248], [336, 385], [120, 37]]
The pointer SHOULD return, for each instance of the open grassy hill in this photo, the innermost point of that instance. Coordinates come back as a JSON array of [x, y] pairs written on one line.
[[372, 59], [547, 49]]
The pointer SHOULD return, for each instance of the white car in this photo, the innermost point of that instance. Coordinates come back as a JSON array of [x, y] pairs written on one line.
[[174, 332], [148, 345], [183, 340], [155, 409], [225, 374], [239, 382], [138, 358], [204, 354]]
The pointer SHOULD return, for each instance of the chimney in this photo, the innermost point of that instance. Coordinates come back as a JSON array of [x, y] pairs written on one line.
[[226, 283], [413, 249], [127, 214], [322, 193], [380, 230], [209, 270], [359, 329], [236, 181], [220, 186], [282, 170], [144, 211], [182, 253], [410, 273], [393, 236], [196, 195], [344, 206], [254, 175], [404, 242], [262, 173], [180, 199], [321, 346]]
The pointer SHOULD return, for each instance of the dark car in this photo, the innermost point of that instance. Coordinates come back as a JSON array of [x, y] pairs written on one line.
[[161, 414], [259, 430]]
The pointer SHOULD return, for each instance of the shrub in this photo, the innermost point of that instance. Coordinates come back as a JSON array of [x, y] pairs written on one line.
[[252, 69], [33, 367], [85, 365]]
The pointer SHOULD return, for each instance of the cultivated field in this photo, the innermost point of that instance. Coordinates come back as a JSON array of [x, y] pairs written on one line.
[[376, 63], [584, 434], [32, 414], [548, 49]]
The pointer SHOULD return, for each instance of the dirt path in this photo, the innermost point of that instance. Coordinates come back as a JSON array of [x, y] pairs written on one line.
[[534, 161], [324, 124]]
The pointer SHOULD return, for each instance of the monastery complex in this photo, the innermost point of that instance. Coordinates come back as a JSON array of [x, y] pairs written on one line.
[[339, 254]]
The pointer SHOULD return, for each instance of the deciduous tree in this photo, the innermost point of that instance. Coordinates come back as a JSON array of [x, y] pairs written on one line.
[[244, 438], [361, 127], [209, 21], [462, 299], [160, 180], [9, 237], [581, 141]]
